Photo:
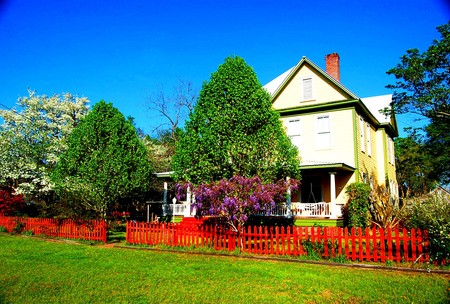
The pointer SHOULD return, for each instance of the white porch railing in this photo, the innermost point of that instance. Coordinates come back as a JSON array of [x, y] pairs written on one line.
[[321, 209], [177, 209], [311, 209]]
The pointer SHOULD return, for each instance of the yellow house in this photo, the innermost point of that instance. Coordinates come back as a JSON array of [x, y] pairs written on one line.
[[341, 137]]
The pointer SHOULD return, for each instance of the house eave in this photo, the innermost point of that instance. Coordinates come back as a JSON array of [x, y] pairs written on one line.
[[328, 166]]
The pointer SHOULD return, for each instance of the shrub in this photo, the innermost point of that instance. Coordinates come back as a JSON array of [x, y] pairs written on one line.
[[234, 200], [10, 202], [432, 213], [19, 227], [357, 208], [385, 212]]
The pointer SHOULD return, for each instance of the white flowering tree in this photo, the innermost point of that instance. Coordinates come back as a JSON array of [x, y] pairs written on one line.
[[32, 137]]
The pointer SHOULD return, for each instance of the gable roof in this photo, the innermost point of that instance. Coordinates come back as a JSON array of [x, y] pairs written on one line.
[[370, 105], [275, 86]]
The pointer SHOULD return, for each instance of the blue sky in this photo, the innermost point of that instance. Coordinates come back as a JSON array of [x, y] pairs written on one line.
[[124, 51]]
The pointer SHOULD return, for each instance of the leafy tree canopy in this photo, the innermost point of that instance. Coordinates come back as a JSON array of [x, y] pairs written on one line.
[[32, 138], [233, 130], [106, 164], [423, 87], [416, 172]]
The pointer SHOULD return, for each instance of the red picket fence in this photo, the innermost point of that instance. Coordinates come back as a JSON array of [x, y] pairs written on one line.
[[375, 245], [85, 230]]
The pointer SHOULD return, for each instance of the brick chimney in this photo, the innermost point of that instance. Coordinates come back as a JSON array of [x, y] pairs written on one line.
[[332, 66]]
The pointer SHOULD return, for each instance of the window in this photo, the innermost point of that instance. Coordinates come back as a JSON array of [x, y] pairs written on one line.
[[323, 132], [390, 144], [361, 131], [369, 143], [293, 131], [307, 88]]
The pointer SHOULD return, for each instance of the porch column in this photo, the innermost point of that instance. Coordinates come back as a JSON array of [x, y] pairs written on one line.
[[165, 206], [187, 211], [288, 197], [332, 194]]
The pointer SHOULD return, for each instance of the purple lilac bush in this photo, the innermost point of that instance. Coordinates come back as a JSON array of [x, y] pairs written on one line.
[[234, 200]]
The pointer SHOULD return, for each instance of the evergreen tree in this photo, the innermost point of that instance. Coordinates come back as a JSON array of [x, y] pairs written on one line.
[[234, 130], [106, 164]]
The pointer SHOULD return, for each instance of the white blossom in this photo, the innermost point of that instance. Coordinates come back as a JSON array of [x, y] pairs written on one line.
[[32, 137]]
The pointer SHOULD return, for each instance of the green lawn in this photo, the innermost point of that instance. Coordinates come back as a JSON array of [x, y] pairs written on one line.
[[37, 271]]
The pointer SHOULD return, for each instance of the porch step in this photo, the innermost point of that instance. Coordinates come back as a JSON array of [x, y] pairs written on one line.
[[192, 221]]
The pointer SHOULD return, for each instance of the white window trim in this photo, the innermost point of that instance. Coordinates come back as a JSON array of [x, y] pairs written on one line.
[[390, 147], [319, 145], [294, 135], [303, 89], [369, 141], [362, 134]]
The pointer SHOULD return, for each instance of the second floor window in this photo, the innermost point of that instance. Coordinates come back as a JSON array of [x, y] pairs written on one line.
[[323, 132], [362, 132], [369, 142], [390, 146], [293, 131]]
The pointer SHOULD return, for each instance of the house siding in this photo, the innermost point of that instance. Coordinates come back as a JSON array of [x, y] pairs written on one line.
[[342, 144], [367, 163]]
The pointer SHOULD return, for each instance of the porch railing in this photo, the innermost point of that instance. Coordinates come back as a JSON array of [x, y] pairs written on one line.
[[177, 209], [301, 209], [321, 209]]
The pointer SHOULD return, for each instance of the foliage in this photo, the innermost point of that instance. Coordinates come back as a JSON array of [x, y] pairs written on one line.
[[33, 138], [422, 87], [19, 227], [234, 200], [314, 250], [233, 130], [357, 213], [384, 210], [416, 173], [10, 202], [160, 151], [105, 165], [432, 213]]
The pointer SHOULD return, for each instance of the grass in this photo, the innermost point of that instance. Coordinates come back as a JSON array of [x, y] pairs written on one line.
[[37, 271]]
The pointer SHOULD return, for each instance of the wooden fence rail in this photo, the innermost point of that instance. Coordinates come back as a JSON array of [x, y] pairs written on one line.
[[94, 230], [375, 245]]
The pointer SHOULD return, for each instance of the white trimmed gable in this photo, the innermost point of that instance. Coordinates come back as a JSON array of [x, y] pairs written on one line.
[[287, 89]]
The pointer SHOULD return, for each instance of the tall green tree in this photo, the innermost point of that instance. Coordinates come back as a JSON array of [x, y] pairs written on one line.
[[423, 87], [416, 172], [32, 137], [105, 166], [234, 130]]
